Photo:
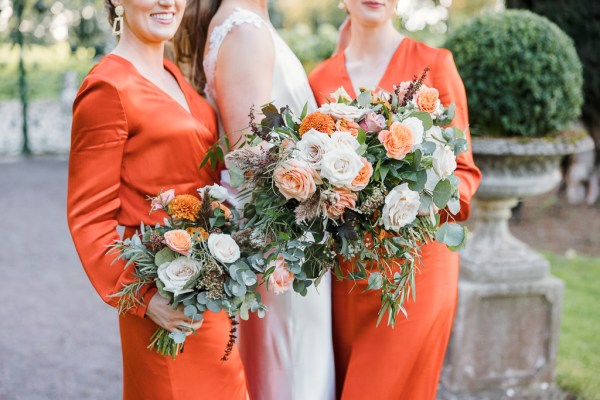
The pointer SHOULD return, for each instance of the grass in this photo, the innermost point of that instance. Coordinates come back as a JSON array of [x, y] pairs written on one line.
[[45, 67], [578, 365]]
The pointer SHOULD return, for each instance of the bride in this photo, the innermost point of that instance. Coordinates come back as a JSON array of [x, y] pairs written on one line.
[[233, 54]]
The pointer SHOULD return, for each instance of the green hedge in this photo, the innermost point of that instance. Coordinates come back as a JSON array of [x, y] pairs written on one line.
[[521, 73], [580, 19]]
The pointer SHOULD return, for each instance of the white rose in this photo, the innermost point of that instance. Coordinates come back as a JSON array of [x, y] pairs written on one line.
[[416, 127], [312, 147], [223, 248], [435, 135], [340, 93], [400, 208], [432, 180], [177, 273], [340, 166], [341, 110], [444, 161], [215, 191], [339, 138]]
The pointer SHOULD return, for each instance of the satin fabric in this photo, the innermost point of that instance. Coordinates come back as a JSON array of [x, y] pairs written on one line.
[[405, 362], [289, 353], [131, 140]]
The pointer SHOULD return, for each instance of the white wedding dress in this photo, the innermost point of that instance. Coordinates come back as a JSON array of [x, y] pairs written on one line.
[[287, 355]]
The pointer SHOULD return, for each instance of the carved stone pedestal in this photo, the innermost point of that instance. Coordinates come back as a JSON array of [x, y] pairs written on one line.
[[505, 333]]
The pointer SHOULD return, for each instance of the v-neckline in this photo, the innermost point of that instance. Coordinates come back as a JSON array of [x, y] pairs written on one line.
[[346, 74], [167, 67]]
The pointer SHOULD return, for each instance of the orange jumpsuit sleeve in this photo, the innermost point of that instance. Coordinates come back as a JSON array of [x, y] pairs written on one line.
[[98, 136], [452, 90]]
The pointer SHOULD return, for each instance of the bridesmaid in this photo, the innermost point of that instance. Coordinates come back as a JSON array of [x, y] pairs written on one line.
[[404, 362], [289, 353], [138, 127]]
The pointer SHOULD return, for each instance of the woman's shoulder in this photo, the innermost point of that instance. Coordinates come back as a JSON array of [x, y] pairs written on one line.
[[227, 18], [424, 54], [109, 72]]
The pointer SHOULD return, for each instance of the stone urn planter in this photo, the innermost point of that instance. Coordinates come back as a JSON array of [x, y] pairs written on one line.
[[524, 81], [505, 335], [512, 169]]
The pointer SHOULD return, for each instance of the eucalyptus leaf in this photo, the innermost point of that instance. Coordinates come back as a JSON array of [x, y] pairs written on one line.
[[442, 193], [164, 256], [364, 99], [244, 312], [375, 281], [178, 337], [214, 306], [190, 311], [428, 147], [453, 206], [450, 234]]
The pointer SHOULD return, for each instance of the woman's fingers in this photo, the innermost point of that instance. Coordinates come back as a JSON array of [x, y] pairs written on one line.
[[196, 325]]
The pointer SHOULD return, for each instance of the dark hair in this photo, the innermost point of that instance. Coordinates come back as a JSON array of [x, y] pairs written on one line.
[[191, 37], [110, 10]]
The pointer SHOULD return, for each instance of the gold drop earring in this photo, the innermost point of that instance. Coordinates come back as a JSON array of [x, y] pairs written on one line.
[[118, 22]]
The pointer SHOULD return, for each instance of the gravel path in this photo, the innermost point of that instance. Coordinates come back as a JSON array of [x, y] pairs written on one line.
[[58, 339]]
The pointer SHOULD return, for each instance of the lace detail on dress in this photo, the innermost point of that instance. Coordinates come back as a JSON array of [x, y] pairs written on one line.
[[238, 17]]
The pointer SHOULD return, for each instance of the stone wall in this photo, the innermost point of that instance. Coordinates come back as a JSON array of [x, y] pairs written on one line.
[[49, 127]]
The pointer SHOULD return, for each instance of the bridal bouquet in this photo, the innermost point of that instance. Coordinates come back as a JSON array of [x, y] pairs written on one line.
[[193, 261], [369, 180]]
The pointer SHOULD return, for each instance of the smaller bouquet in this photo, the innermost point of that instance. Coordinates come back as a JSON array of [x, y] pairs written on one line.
[[193, 261]]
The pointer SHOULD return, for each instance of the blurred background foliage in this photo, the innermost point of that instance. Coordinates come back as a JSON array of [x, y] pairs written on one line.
[[61, 35]]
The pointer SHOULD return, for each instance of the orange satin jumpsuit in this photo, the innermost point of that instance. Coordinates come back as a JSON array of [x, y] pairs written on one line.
[[130, 140], [404, 362]]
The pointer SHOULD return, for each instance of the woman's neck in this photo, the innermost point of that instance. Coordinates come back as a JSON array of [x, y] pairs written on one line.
[[370, 43], [260, 6], [147, 57]]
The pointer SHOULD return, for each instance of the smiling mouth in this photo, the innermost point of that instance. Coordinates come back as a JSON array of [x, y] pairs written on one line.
[[163, 17], [373, 4]]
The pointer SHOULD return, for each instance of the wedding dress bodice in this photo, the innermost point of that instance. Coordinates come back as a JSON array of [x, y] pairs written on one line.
[[289, 84]]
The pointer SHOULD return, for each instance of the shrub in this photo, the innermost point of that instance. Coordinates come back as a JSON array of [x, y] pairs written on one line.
[[580, 20], [521, 73]]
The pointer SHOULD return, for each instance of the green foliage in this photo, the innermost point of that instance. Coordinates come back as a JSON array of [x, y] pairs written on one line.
[[579, 19], [578, 365], [311, 45], [521, 73], [44, 77]]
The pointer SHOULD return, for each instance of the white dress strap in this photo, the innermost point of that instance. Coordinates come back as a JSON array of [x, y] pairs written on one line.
[[238, 17]]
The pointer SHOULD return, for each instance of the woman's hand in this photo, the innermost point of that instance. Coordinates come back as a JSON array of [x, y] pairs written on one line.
[[163, 315]]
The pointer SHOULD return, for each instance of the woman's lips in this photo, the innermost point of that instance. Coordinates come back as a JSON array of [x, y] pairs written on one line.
[[373, 4]]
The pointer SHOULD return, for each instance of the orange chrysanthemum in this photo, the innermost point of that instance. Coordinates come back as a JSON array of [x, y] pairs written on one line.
[[202, 234], [184, 206], [317, 121]]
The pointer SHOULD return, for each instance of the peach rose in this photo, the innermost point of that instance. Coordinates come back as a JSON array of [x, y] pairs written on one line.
[[428, 99], [295, 179], [398, 141], [281, 279], [179, 241], [345, 125], [341, 200], [362, 179], [227, 211]]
